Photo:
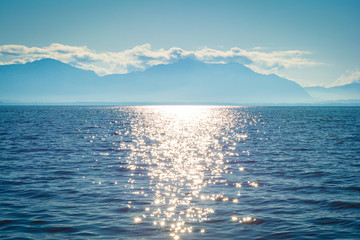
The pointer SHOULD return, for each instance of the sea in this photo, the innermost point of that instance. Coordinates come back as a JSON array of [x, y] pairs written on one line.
[[179, 172]]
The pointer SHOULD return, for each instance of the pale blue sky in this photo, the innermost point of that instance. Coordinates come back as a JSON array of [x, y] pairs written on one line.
[[328, 30]]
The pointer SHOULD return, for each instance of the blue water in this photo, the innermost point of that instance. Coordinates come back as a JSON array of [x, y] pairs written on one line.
[[179, 172]]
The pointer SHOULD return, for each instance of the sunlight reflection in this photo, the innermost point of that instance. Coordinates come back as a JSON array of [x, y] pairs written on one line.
[[183, 113], [181, 146]]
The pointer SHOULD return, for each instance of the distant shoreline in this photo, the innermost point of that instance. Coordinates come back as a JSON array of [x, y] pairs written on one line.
[[324, 103]]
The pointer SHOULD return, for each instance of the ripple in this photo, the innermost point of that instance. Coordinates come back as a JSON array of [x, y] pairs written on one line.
[[59, 229], [344, 205]]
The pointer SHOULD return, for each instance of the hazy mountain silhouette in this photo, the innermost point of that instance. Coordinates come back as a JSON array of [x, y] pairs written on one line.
[[48, 80], [200, 82], [345, 92]]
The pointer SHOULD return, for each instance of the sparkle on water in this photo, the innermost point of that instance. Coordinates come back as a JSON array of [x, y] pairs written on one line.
[[180, 146]]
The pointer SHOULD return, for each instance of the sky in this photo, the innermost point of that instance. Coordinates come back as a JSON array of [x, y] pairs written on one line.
[[312, 42]]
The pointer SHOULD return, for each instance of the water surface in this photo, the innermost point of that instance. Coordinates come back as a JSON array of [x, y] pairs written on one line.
[[180, 172]]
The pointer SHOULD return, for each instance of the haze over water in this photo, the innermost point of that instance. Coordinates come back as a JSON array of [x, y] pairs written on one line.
[[179, 172]]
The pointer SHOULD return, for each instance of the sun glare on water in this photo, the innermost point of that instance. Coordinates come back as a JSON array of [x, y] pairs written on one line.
[[180, 147], [183, 112]]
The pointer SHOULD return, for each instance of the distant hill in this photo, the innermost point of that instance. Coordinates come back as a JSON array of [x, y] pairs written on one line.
[[48, 80], [345, 92]]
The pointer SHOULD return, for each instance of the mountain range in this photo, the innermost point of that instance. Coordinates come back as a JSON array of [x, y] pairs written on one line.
[[185, 81], [346, 92]]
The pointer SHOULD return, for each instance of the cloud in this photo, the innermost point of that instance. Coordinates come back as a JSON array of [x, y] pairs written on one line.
[[143, 56], [347, 78]]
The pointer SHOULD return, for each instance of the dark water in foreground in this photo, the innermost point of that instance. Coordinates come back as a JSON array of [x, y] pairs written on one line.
[[179, 172]]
